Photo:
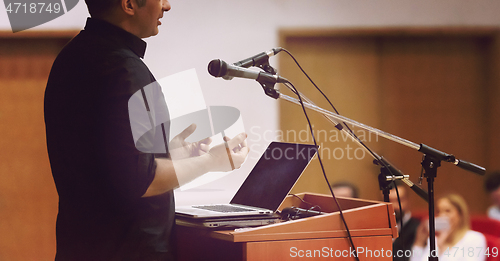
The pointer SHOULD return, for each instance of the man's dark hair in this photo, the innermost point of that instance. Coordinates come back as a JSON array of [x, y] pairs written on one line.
[[99, 8], [492, 181]]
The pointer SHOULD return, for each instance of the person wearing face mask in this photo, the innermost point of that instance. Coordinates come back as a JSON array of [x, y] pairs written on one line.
[[454, 239]]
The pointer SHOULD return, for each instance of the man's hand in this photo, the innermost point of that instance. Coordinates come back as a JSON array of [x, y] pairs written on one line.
[[235, 150], [422, 234], [179, 148], [172, 173]]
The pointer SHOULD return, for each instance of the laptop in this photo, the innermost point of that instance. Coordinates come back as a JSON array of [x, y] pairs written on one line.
[[229, 222], [266, 186]]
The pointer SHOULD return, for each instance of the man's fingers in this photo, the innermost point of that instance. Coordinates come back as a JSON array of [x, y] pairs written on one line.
[[244, 144], [205, 141], [244, 151], [238, 157], [204, 148], [187, 131], [237, 140]]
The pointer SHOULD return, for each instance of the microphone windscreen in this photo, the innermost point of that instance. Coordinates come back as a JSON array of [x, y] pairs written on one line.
[[217, 68]]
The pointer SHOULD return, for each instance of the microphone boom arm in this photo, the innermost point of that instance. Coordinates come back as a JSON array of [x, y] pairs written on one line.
[[352, 122], [422, 147], [386, 167]]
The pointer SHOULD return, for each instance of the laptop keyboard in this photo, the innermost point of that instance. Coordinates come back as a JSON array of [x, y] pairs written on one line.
[[224, 208]]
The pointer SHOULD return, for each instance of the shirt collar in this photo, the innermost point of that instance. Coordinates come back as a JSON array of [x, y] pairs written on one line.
[[136, 44]]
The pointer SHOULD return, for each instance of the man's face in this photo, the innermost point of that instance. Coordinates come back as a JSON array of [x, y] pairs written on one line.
[[148, 17], [393, 198], [343, 192]]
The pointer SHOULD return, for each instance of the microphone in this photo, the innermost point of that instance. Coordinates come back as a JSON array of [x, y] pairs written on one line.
[[470, 167], [450, 158], [258, 59], [219, 68]]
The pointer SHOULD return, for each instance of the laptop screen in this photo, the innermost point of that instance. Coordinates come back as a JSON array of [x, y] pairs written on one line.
[[274, 175]]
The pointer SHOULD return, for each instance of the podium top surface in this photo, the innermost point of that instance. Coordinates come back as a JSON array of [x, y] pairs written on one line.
[[363, 218]]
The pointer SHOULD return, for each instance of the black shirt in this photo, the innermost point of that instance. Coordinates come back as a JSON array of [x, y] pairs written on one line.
[[99, 174]]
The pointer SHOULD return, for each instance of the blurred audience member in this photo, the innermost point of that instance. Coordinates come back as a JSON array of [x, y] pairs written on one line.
[[454, 239], [345, 189], [407, 233], [492, 185]]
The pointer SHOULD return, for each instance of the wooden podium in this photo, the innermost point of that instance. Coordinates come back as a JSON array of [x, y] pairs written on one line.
[[372, 225]]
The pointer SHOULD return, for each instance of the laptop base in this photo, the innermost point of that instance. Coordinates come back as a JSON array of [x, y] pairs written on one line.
[[228, 223]]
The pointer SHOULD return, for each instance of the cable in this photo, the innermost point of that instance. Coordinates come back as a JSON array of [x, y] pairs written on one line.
[[311, 206], [339, 126], [323, 169], [351, 132], [303, 201]]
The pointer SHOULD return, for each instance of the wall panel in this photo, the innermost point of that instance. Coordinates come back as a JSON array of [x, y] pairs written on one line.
[[28, 198], [431, 86]]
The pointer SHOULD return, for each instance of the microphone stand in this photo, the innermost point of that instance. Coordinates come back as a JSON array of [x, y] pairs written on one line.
[[430, 163]]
